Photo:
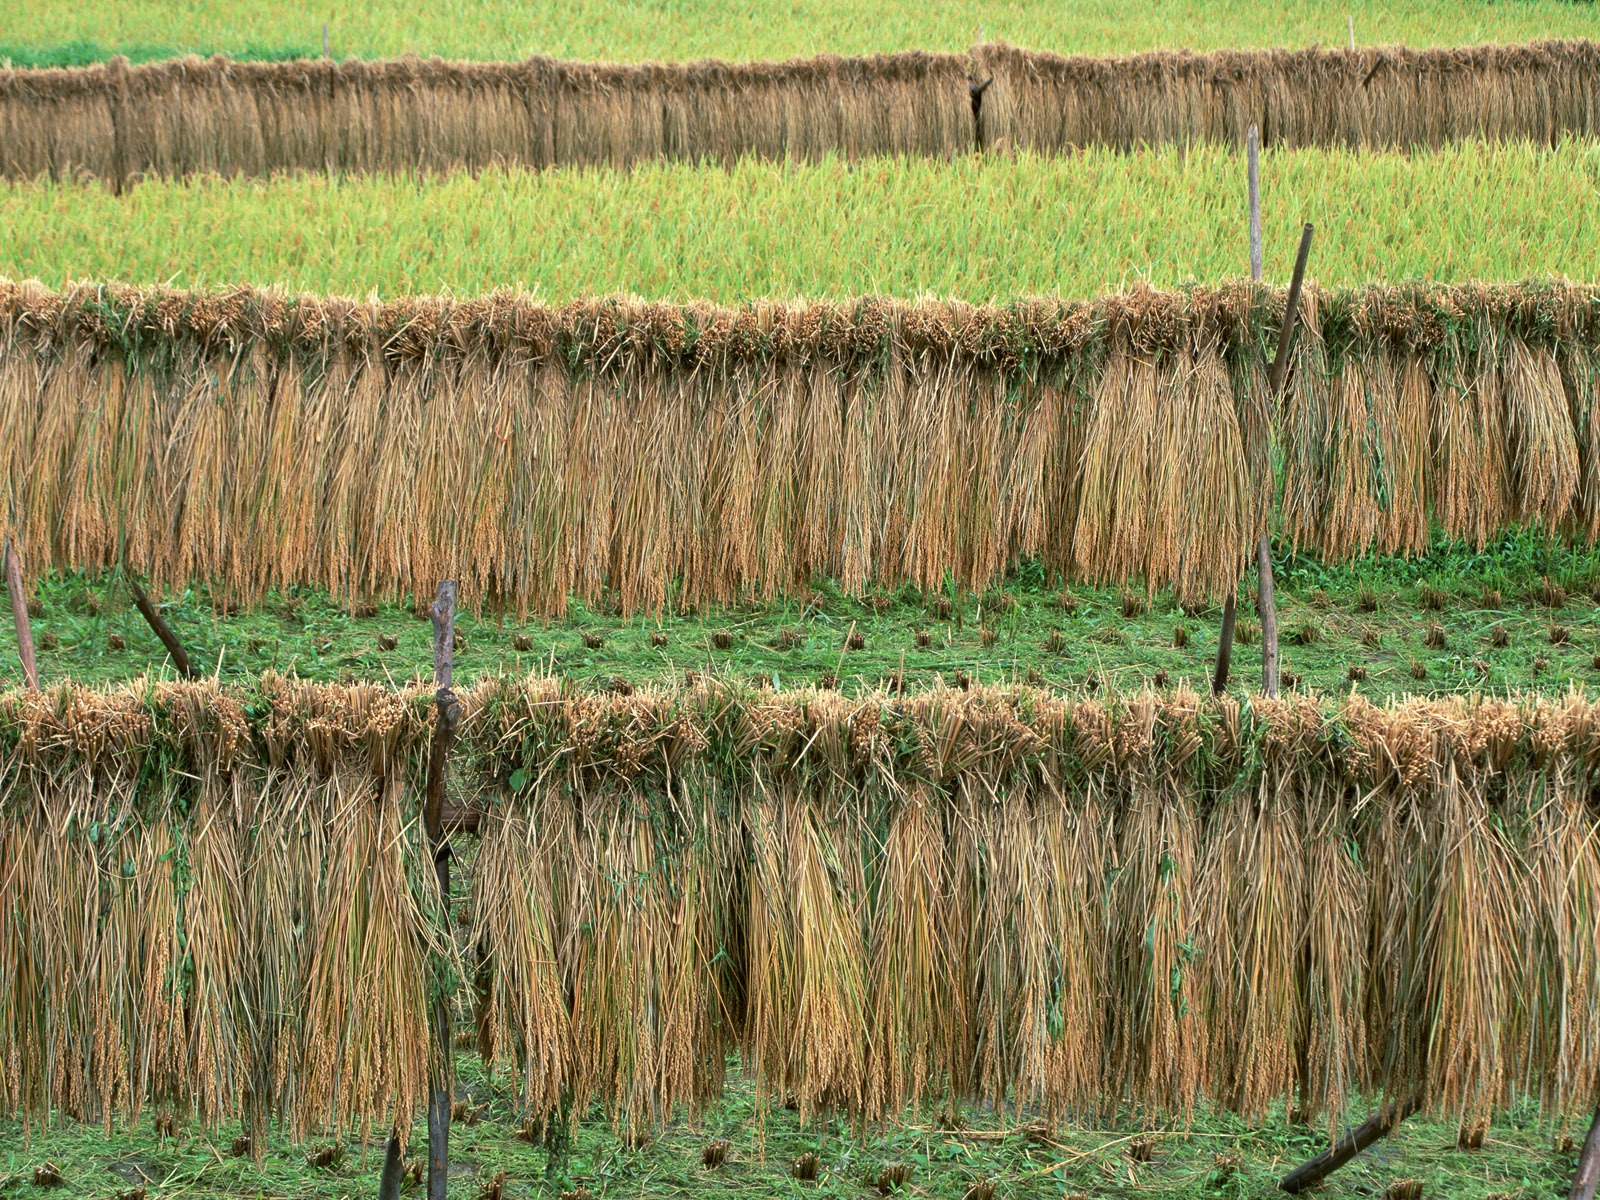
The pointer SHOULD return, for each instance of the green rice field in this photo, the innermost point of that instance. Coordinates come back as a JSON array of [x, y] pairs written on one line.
[[52, 31], [976, 228]]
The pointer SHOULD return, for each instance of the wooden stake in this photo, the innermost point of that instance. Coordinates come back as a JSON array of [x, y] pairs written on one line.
[[393, 1169], [1587, 1176], [163, 630], [324, 39], [19, 615], [1219, 681], [443, 615], [1379, 1125]]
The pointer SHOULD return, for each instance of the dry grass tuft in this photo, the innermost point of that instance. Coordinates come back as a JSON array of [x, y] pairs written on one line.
[[943, 608], [988, 636], [722, 639], [1419, 669], [1434, 636], [1160, 679], [1180, 636], [982, 1189], [115, 641], [1372, 637], [1540, 665], [1403, 1189], [47, 1175], [1499, 636], [1308, 632], [1367, 600], [1357, 673], [1491, 599], [1055, 642], [891, 1177], [1246, 632], [578, 1193], [806, 1167], [1067, 602], [1560, 635], [522, 642], [593, 640], [924, 639], [715, 1153], [1131, 604], [658, 638], [1471, 1135], [493, 1188], [1548, 593], [327, 1156], [855, 640], [241, 1146], [1141, 1149], [1431, 598], [387, 641]]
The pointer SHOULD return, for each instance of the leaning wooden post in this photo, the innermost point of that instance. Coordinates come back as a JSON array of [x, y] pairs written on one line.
[[19, 615], [1275, 381], [1587, 1177], [1380, 1124], [443, 615], [163, 631]]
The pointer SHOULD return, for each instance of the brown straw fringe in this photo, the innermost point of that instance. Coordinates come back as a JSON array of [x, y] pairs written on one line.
[[651, 454], [121, 123], [1386, 97], [1014, 895]]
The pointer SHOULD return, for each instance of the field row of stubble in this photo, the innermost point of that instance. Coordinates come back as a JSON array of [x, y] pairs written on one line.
[[975, 228]]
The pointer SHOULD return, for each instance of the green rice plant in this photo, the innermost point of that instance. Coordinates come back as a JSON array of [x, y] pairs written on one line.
[[146, 29], [761, 229]]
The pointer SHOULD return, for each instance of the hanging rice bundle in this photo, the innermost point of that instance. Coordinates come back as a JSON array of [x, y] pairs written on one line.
[[625, 452], [218, 903]]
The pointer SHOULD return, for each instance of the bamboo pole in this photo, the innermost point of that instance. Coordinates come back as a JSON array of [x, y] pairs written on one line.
[[19, 615], [180, 659], [1379, 1125], [442, 614], [1587, 1177]]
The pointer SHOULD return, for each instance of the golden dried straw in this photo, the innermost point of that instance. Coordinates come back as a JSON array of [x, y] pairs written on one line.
[[885, 902], [627, 451]]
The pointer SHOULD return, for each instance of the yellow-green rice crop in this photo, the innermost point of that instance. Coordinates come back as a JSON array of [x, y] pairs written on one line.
[[977, 228], [639, 29]]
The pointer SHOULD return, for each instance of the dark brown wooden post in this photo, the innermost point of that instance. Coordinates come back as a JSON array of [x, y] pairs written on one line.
[[19, 615], [443, 615], [1587, 1177], [1275, 381], [1379, 1125], [163, 630]]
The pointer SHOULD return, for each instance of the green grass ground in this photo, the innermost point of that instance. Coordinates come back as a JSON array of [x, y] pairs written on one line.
[[1443, 615], [1213, 1157], [977, 228], [52, 30]]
